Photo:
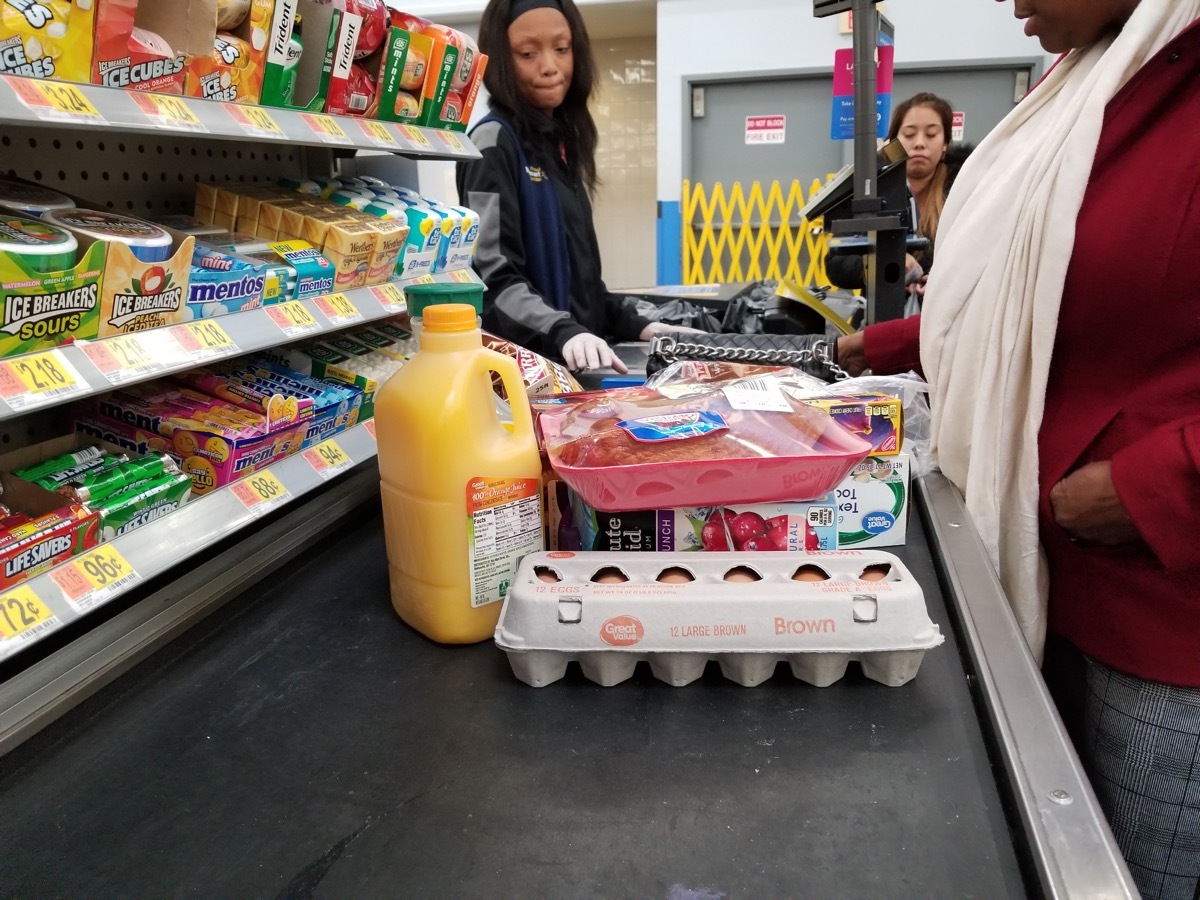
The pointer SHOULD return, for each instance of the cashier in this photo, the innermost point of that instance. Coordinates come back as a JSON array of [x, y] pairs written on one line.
[[1063, 410], [537, 251]]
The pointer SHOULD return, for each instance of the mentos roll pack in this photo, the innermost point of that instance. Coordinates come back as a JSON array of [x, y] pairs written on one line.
[[224, 282]]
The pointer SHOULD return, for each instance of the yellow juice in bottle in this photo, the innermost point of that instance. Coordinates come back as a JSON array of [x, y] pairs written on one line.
[[461, 492]]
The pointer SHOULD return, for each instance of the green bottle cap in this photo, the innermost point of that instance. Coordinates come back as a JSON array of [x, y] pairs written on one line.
[[422, 296]]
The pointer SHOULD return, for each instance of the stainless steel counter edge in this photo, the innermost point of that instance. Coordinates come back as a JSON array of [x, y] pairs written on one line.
[[1072, 849]]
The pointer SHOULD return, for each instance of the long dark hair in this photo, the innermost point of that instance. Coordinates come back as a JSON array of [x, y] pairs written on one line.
[[935, 193], [574, 119]]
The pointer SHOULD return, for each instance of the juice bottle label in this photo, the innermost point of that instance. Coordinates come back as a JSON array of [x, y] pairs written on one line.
[[504, 523]]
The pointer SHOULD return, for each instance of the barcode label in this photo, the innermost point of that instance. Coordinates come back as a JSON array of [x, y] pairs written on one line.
[[10, 645], [359, 102], [758, 394]]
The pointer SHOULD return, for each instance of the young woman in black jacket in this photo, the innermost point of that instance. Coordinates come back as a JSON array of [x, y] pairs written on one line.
[[537, 251], [922, 124]]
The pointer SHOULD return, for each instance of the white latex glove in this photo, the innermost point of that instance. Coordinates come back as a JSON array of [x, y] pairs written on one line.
[[586, 351], [663, 328]]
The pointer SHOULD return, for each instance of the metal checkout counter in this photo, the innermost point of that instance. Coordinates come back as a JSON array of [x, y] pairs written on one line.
[[260, 723]]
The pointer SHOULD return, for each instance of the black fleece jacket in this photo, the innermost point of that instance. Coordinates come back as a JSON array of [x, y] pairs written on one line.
[[512, 307], [847, 271]]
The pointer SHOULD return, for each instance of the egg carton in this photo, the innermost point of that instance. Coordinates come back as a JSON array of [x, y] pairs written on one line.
[[678, 611]]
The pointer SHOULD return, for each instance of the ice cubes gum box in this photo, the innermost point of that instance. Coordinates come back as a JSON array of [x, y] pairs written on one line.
[[678, 612], [48, 39]]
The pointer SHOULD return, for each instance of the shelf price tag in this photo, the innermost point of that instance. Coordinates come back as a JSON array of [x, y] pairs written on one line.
[[451, 140], [260, 492], [370, 426], [338, 309], [39, 379], [165, 111], [95, 577], [22, 617], [328, 459], [379, 134], [325, 128], [390, 297], [203, 340], [462, 276], [424, 279], [55, 100], [415, 135], [254, 120], [292, 318], [129, 357]]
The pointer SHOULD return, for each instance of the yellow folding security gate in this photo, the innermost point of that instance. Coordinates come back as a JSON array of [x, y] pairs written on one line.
[[731, 233]]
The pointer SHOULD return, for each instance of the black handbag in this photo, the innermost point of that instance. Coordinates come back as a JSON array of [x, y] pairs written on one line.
[[813, 354]]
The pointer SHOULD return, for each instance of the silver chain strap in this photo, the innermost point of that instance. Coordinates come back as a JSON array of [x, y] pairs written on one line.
[[670, 350]]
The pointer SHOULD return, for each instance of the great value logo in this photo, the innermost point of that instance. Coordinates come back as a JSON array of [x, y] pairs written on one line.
[[622, 631]]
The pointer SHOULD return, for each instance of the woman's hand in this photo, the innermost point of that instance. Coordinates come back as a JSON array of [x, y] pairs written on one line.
[[663, 328], [1085, 504], [851, 353], [586, 351]]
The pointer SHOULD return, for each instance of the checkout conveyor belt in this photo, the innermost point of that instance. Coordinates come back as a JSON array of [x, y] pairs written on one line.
[[303, 742]]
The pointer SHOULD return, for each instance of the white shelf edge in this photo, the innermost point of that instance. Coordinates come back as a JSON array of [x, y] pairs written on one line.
[[197, 525], [251, 331], [122, 113]]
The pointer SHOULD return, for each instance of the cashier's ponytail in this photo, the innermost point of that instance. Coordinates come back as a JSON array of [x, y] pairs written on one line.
[[577, 128]]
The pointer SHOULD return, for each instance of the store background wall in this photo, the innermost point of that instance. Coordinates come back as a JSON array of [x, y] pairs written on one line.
[[624, 43], [703, 38]]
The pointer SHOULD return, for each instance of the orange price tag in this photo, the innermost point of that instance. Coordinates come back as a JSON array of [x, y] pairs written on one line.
[[39, 379], [325, 128], [424, 279], [451, 140], [260, 492], [292, 318], [415, 135], [166, 111], [55, 100], [94, 577], [462, 276], [328, 459], [203, 340], [390, 297], [128, 357], [254, 120], [378, 133], [338, 309], [370, 426]]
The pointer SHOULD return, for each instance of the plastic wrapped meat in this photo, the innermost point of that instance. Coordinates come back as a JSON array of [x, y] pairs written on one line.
[[637, 449]]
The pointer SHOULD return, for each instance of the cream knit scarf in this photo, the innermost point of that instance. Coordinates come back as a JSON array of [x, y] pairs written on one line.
[[991, 308]]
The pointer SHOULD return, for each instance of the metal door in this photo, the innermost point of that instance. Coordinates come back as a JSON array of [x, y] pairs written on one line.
[[724, 227]]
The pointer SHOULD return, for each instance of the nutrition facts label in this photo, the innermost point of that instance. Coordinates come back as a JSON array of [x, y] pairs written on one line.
[[506, 524]]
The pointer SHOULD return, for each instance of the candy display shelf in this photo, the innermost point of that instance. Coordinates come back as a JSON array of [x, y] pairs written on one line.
[[27, 101], [49, 601], [72, 372]]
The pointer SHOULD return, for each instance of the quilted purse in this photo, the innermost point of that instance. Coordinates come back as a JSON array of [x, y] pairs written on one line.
[[814, 354]]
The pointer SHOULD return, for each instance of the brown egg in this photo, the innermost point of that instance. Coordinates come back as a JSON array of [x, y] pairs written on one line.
[[810, 573], [875, 573], [547, 575], [742, 575], [610, 575], [675, 575]]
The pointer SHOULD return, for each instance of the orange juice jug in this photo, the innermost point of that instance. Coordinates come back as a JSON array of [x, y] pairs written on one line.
[[461, 492]]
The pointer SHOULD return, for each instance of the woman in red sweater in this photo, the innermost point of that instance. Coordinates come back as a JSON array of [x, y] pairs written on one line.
[[1063, 406]]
